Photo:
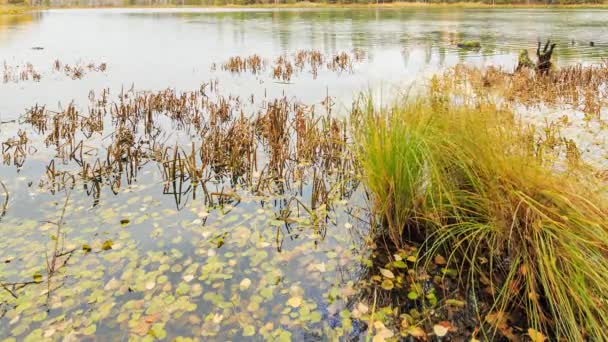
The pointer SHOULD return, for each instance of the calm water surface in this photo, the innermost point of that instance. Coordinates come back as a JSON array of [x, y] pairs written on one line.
[[180, 267], [154, 49]]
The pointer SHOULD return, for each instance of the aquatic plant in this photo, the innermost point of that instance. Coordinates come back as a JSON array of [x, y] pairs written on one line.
[[78, 70], [469, 44], [19, 73], [470, 181], [286, 66], [524, 61], [578, 86], [237, 64], [26, 72]]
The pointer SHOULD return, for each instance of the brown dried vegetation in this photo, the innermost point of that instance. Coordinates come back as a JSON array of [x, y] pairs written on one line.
[[286, 66], [78, 70], [19, 73], [196, 138], [583, 87]]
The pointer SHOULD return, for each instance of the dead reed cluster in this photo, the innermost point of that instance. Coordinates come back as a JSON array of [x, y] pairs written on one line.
[[77, 71], [15, 150], [19, 73], [583, 87], [238, 64], [341, 62], [286, 66], [196, 138], [313, 58], [26, 72]]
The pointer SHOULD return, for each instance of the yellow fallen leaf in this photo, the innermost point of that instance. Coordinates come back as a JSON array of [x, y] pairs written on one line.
[[141, 328], [217, 318], [153, 317], [382, 332], [388, 274], [362, 308], [416, 332], [439, 260], [294, 302], [440, 330], [245, 283], [536, 336], [320, 267]]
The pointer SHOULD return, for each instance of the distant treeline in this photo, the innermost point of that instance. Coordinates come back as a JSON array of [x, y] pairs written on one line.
[[99, 3]]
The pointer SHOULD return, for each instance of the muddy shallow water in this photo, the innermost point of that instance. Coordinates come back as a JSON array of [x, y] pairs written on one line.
[[139, 256]]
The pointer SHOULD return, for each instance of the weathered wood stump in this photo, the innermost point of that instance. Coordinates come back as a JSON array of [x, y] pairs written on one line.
[[543, 64], [544, 59]]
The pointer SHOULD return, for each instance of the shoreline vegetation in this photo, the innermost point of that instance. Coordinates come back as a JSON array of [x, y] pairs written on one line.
[[22, 8], [477, 223], [480, 221]]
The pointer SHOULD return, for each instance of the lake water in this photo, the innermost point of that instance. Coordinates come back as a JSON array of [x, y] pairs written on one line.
[[178, 264]]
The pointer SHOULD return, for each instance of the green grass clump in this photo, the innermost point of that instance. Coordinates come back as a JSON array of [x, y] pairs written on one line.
[[12, 9], [469, 44], [474, 182]]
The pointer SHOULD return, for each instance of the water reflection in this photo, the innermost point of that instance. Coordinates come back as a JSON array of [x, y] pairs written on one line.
[[213, 222], [174, 47]]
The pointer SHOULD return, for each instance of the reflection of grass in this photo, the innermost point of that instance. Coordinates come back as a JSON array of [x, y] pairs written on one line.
[[582, 86], [472, 181], [13, 10], [469, 44], [306, 4]]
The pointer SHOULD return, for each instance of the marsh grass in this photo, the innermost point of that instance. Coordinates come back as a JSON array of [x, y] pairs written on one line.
[[26, 72], [270, 146], [286, 66], [17, 73], [471, 182], [582, 87]]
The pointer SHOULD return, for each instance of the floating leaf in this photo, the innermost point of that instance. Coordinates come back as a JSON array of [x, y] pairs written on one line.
[[107, 245], [141, 328], [245, 283], [412, 295], [320, 267], [41, 316], [362, 308], [158, 331], [294, 302], [90, 330], [152, 318], [182, 289], [249, 330], [37, 277]]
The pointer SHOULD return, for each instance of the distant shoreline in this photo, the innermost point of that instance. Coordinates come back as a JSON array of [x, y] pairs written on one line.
[[19, 9]]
